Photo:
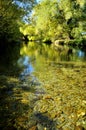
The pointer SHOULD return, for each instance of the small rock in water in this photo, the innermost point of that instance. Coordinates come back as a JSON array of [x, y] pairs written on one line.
[[40, 127], [32, 123], [33, 128], [79, 128], [45, 128]]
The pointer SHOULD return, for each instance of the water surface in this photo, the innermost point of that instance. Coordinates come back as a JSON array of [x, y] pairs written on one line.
[[43, 87]]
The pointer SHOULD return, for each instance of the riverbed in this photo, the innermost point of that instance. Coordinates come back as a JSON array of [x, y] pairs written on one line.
[[44, 89]]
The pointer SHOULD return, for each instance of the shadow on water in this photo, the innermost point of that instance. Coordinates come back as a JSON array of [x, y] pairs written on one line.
[[15, 106], [11, 107], [43, 122]]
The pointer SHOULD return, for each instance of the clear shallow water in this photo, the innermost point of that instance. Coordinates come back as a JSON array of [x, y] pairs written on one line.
[[35, 56], [42, 88]]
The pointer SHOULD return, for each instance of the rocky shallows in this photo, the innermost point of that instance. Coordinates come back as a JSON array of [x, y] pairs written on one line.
[[57, 102]]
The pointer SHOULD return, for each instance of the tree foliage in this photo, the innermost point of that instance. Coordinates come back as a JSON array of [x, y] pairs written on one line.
[[60, 19], [12, 12], [49, 19]]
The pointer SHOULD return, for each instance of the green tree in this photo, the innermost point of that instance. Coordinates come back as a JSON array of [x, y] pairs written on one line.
[[60, 19], [43, 18], [12, 12], [74, 16]]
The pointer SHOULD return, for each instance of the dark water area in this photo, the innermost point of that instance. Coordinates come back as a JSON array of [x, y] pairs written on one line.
[[42, 88]]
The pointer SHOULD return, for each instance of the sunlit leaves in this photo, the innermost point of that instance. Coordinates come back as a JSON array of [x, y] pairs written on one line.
[[59, 19], [68, 15], [44, 14], [27, 29], [81, 3]]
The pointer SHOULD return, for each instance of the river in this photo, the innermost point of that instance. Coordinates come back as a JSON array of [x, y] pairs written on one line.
[[43, 87]]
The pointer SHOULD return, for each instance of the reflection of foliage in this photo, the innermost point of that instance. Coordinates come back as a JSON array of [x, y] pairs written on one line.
[[45, 52], [8, 58], [14, 103]]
